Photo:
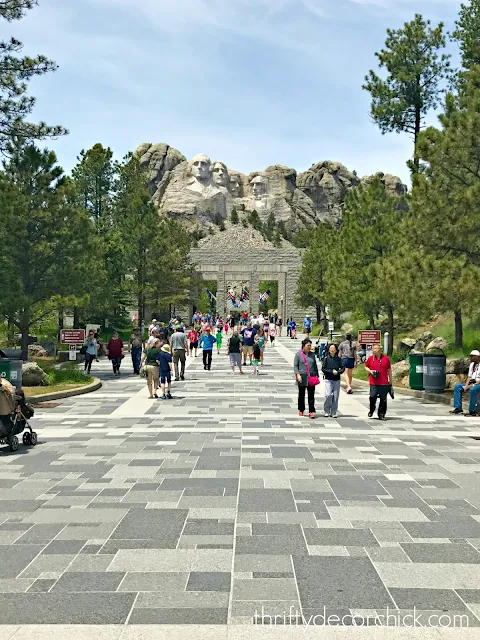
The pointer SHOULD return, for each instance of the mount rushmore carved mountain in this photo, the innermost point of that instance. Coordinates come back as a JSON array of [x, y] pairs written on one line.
[[202, 191]]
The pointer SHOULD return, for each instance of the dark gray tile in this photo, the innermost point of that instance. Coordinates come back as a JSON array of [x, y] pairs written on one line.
[[339, 582], [41, 586], [164, 525], [64, 547], [355, 486], [209, 581], [97, 581], [458, 528], [40, 533], [271, 545], [424, 552], [208, 527], [469, 595], [427, 599], [341, 537], [178, 616], [65, 608], [273, 529], [14, 558], [265, 500]]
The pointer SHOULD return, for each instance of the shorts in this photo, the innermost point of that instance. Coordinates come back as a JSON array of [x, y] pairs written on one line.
[[152, 373], [165, 377], [193, 345], [348, 363], [235, 359], [272, 338], [247, 349]]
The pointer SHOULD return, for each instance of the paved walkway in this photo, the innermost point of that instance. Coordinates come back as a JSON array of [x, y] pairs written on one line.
[[174, 519]]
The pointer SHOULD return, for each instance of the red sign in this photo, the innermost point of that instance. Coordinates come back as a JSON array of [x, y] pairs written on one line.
[[369, 337], [72, 336]]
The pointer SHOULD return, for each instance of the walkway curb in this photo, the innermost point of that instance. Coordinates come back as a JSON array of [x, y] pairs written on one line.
[[68, 393], [423, 395]]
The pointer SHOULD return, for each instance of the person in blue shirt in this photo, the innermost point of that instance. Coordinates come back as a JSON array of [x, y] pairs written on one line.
[[307, 325], [206, 342], [164, 360], [293, 329]]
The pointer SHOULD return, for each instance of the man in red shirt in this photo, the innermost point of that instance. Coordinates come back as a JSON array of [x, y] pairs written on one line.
[[193, 338], [379, 368]]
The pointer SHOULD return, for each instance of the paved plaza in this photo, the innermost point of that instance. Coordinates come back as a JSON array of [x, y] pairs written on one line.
[[208, 515]]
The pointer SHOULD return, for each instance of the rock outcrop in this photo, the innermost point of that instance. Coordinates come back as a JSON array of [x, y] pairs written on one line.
[[33, 375], [201, 192]]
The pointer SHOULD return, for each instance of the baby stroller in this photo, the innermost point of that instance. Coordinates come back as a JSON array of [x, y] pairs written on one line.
[[14, 416]]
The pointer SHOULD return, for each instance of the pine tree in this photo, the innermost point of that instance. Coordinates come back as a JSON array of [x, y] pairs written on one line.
[[15, 72], [416, 68], [467, 33], [93, 177], [48, 242], [234, 216]]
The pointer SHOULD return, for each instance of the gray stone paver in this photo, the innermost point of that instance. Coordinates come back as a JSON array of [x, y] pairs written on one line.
[[204, 509]]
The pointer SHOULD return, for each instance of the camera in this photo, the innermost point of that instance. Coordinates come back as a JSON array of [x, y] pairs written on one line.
[[375, 374]]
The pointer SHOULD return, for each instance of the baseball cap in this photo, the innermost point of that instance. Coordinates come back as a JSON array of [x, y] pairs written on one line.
[[475, 352]]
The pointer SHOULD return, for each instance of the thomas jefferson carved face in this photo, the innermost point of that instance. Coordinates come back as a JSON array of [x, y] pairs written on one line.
[[220, 174], [200, 167], [259, 186], [235, 185]]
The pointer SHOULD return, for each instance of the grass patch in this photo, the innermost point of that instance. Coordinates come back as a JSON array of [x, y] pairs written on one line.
[[54, 388], [359, 372]]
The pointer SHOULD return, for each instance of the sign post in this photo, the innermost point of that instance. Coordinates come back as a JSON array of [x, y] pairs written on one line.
[[368, 338], [331, 328], [72, 353], [72, 336]]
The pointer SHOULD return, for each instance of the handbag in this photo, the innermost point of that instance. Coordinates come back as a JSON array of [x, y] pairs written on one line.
[[83, 350], [312, 380]]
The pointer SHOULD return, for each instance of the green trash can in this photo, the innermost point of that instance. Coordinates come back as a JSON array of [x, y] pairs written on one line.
[[415, 374], [435, 372], [12, 371]]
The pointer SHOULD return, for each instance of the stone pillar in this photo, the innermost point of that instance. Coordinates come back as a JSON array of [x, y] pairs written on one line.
[[282, 295], [254, 292], [221, 293]]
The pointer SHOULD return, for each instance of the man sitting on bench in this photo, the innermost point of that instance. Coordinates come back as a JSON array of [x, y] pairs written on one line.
[[472, 386]]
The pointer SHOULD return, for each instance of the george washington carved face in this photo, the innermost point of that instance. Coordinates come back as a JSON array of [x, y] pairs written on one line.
[[200, 167]]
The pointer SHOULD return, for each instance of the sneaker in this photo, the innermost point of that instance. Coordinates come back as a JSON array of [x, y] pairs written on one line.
[[471, 414], [326, 414], [456, 412], [381, 416], [311, 415], [350, 391], [244, 364], [370, 414], [164, 397], [334, 415], [205, 367], [182, 377], [300, 413], [169, 396], [155, 395]]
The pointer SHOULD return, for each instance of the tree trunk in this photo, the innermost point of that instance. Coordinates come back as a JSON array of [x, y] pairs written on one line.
[[458, 329], [25, 330], [418, 123], [390, 330], [76, 318], [318, 308], [60, 320], [371, 322]]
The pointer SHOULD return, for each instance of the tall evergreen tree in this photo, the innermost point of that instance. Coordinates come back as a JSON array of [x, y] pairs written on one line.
[[415, 70], [467, 33], [93, 176], [15, 72], [46, 240]]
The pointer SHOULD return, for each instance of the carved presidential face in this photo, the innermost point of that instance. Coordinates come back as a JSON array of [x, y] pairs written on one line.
[[235, 185], [220, 174], [259, 186], [200, 167]]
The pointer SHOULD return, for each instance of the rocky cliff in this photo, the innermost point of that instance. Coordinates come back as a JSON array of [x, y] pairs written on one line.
[[200, 192]]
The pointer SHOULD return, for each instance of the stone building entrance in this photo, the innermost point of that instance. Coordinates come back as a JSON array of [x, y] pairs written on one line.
[[225, 258]]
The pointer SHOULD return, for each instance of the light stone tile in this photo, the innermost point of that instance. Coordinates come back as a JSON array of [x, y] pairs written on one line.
[[68, 632], [75, 515], [428, 575], [211, 514], [182, 599], [175, 632], [177, 560], [377, 514]]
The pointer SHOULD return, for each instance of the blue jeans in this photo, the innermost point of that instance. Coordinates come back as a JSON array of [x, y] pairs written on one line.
[[472, 396], [136, 358]]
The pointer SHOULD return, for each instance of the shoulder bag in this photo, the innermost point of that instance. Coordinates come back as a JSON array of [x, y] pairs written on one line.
[[312, 380]]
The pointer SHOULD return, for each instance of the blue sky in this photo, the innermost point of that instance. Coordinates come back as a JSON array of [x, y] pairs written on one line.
[[249, 82]]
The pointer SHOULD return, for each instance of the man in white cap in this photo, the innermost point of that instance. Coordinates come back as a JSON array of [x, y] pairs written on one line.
[[472, 387], [152, 326]]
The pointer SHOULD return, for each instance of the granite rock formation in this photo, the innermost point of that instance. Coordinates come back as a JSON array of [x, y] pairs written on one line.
[[200, 192]]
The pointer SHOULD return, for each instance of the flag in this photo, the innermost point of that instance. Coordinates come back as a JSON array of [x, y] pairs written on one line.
[[231, 294], [210, 295], [264, 296], [244, 295]]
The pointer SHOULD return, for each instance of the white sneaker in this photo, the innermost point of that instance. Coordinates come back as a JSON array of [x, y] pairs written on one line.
[[334, 415], [326, 415]]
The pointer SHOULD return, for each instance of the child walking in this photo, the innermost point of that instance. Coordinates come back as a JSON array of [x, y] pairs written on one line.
[[256, 358], [219, 336]]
